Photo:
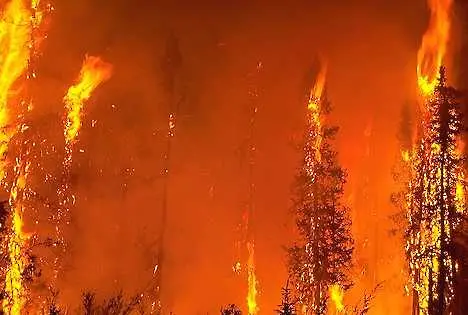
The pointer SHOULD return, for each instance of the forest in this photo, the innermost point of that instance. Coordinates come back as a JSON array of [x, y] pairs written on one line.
[[218, 158]]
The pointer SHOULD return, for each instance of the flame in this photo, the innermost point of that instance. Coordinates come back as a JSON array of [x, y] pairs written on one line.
[[313, 106], [434, 46], [15, 37], [93, 72], [336, 295], [13, 280], [252, 280], [405, 155]]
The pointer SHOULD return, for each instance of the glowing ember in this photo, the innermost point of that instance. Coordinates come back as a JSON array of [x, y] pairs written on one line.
[[93, 73], [252, 280], [336, 295], [434, 45]]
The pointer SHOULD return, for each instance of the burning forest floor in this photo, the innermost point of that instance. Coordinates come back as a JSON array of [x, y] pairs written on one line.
[[213, 158]]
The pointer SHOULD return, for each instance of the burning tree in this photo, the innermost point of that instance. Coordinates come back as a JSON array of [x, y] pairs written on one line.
[[322, 256], [436, 201]]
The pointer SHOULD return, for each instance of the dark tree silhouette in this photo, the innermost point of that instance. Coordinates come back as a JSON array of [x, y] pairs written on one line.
[[287, 306], [322, 255], [170, 66], [231, 309], [115, 305]]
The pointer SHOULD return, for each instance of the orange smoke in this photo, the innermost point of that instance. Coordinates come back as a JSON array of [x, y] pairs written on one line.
[[15, 37], [434, 46], [252, 280], [93, 72]]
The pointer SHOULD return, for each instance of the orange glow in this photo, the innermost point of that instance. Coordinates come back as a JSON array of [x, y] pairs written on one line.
[[336, 295], [93, 72], [252, 280], [15, 37], [433, 46]]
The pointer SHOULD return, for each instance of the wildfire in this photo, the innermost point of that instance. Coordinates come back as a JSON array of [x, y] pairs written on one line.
[[93, 72], [336, 295], [15, 37], [252, 281], [434, 45]]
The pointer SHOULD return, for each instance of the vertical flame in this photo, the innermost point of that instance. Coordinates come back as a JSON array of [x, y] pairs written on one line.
[[252, 280], [13, 280], [93, 72], [434, 45], [313, 106], [336, 295], [15, 37]]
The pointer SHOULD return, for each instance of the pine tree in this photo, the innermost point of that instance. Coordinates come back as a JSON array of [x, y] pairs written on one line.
[[287, 306], [322, 256], [436, 201]]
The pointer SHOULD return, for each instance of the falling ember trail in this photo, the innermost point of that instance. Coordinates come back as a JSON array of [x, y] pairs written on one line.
[[252, 281], [314, 109]]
